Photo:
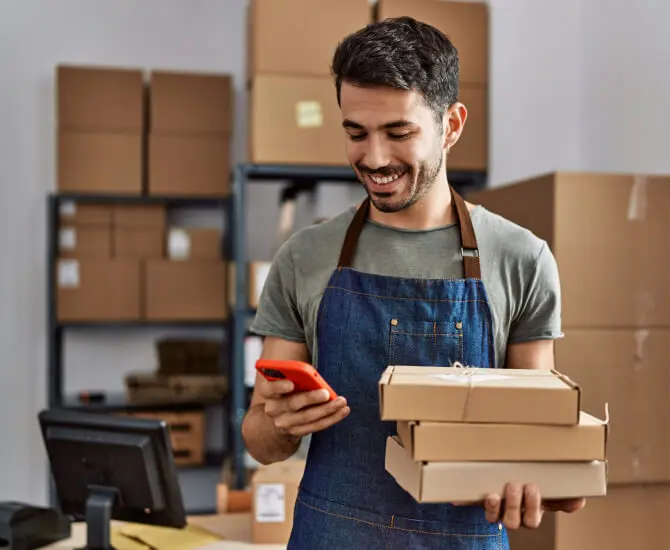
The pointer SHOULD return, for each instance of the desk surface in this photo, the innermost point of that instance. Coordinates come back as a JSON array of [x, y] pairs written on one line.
[[235, 528]]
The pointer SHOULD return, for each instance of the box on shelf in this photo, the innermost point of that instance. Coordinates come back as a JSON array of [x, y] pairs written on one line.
[[299, 37], [257, 273], [193, 290], [465, 23], [73, 213], [99, 163], [157, 388], [194, 243], [136, 215], [595, 224], [274, 493], [460, 441], [139, 231], [458, 394], [471, 150], [97, 290], [85, 242], [100, 99], [473, 481], [189, 165], [295, 120], [189, 356]]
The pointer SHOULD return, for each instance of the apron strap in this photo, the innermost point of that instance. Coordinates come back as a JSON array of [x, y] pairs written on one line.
[[469, 248]]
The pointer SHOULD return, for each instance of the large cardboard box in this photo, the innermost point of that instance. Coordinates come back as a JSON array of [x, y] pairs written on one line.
[[299, 37], [106, 99], [188, 165], [295, 120], [70, 212], [472, 149], [274, 493], [627, 370], [460, 441], [193, 290], [190, 103], [194, 243], [139, 231], [99, 163], [85, 241], [457, 394], [609, 235], [473, 481], [97, 290], [465, 23], [627, 518]]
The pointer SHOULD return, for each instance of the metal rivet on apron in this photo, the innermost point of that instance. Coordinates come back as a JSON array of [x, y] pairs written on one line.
[[394, 322], [459, 325]]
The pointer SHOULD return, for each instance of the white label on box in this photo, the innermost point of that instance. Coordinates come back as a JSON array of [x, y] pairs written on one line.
[[179, 245], [68, 209], [262, 270], [309, 114], [67, 238], [253, 347], [270, 503], [68, 274]]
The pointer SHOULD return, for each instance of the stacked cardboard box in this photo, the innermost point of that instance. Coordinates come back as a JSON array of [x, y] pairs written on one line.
[[463, 433], [294, 117], [609, 235], [467, 26]]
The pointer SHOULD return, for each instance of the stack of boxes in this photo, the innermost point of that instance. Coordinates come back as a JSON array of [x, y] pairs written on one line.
[[464, 433], [609, 235]]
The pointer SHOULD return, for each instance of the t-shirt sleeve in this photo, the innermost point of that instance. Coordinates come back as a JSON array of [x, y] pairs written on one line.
[[539, 314], [277, 313]]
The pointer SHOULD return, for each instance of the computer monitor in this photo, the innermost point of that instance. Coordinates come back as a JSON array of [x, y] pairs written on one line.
[[111, 467]]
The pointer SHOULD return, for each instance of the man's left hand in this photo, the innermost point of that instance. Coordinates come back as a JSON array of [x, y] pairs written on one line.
[[524, 507]]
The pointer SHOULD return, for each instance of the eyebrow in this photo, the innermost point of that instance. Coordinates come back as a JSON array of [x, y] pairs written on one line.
[[389, 125]]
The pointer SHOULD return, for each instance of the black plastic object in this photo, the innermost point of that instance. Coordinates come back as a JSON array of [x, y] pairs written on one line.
[[25, 527]]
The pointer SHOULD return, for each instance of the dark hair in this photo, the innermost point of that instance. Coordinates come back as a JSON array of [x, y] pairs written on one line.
[[401, 53]]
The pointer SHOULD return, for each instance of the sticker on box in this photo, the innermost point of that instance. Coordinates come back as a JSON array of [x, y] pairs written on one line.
[[270, 503], [68, 274], [68, 209], [309, 114], [179, 245], [67, 238]]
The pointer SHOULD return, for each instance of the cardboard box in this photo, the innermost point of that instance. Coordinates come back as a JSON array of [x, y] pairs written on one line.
[[295, 120], [257, 274], [97, 290], [299, 37], [191, 103], [135, 215], [194, 290], [457, 394], [609, 235], [106, 163], [459, 441], [471, 152], [465, 23], [193, 166], [274, 493], [85, 242], [104, 99], [473, 481], [70, 212], [627, 370], [194, 243], [627, 518], [140, 243]]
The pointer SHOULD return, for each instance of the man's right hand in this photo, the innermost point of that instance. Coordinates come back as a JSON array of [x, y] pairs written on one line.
[[300, 414]]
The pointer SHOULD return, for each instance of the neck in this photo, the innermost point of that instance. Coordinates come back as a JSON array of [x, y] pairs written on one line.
[[431, 210]]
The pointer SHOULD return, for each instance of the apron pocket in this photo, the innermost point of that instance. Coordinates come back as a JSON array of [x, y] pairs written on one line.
[[433, 535], [425, 343]]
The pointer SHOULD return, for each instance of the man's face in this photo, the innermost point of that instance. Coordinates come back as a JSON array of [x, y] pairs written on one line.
[[393, 142]]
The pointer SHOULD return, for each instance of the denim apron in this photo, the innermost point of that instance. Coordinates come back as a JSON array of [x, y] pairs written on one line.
[[366, 322]]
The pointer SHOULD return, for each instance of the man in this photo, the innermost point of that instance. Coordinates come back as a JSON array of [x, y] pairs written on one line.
[[413, 276]]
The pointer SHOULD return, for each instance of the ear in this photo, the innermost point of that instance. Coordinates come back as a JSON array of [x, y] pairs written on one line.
[[454, 121]]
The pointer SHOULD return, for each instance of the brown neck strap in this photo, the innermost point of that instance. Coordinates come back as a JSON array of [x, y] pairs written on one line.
[[469, 246]]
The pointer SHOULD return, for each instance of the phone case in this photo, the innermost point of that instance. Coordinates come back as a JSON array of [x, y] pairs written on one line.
[[303, 375]]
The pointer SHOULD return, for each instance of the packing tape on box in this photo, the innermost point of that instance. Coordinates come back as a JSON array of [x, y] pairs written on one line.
[[637, 202], [644, 305], [640, 336]]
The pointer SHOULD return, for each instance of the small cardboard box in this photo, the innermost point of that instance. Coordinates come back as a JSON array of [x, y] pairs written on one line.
[[457, 394], [85, 241], [274, 493], [139, 232], [136, 215], [70, 212], [459, 441], [194, 243], [473, 481]]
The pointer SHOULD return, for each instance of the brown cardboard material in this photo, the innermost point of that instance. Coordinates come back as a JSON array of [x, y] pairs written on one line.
[[471, 150], [134, 215], [608, 233], [85, 241], [295, 120], [627, 518], [458, 441], [465, 23], [100, 99], [70, 212], [257, 274], [181, 165], [184, 103], [140, 243], [194, 290], [104, 163], [456, 394], [194, 243], [274, 493], [97, 290], [473, 481], [627, 369], [299, 37]]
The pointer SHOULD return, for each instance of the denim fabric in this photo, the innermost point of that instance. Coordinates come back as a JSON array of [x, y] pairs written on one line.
[[367, 322]]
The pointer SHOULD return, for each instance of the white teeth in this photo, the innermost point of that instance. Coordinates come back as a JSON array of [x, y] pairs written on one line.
[[384, 180]]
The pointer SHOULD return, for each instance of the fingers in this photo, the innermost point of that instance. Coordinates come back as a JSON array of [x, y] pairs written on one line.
[[492, 508], [273, 390], [569, 506], [513, 501], [286, 404], [321, 424], [532, 516], [306, 417]]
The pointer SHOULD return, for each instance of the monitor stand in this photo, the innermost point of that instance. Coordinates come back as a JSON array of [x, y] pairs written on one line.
[[99, 506]]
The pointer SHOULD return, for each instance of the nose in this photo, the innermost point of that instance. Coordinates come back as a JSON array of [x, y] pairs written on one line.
[[375, 156]]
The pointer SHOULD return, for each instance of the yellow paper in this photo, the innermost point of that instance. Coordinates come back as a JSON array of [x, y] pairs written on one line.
[[120, 542], [168, 538]]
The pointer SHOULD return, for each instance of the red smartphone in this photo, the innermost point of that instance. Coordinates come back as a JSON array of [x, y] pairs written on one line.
[[303, 375]]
